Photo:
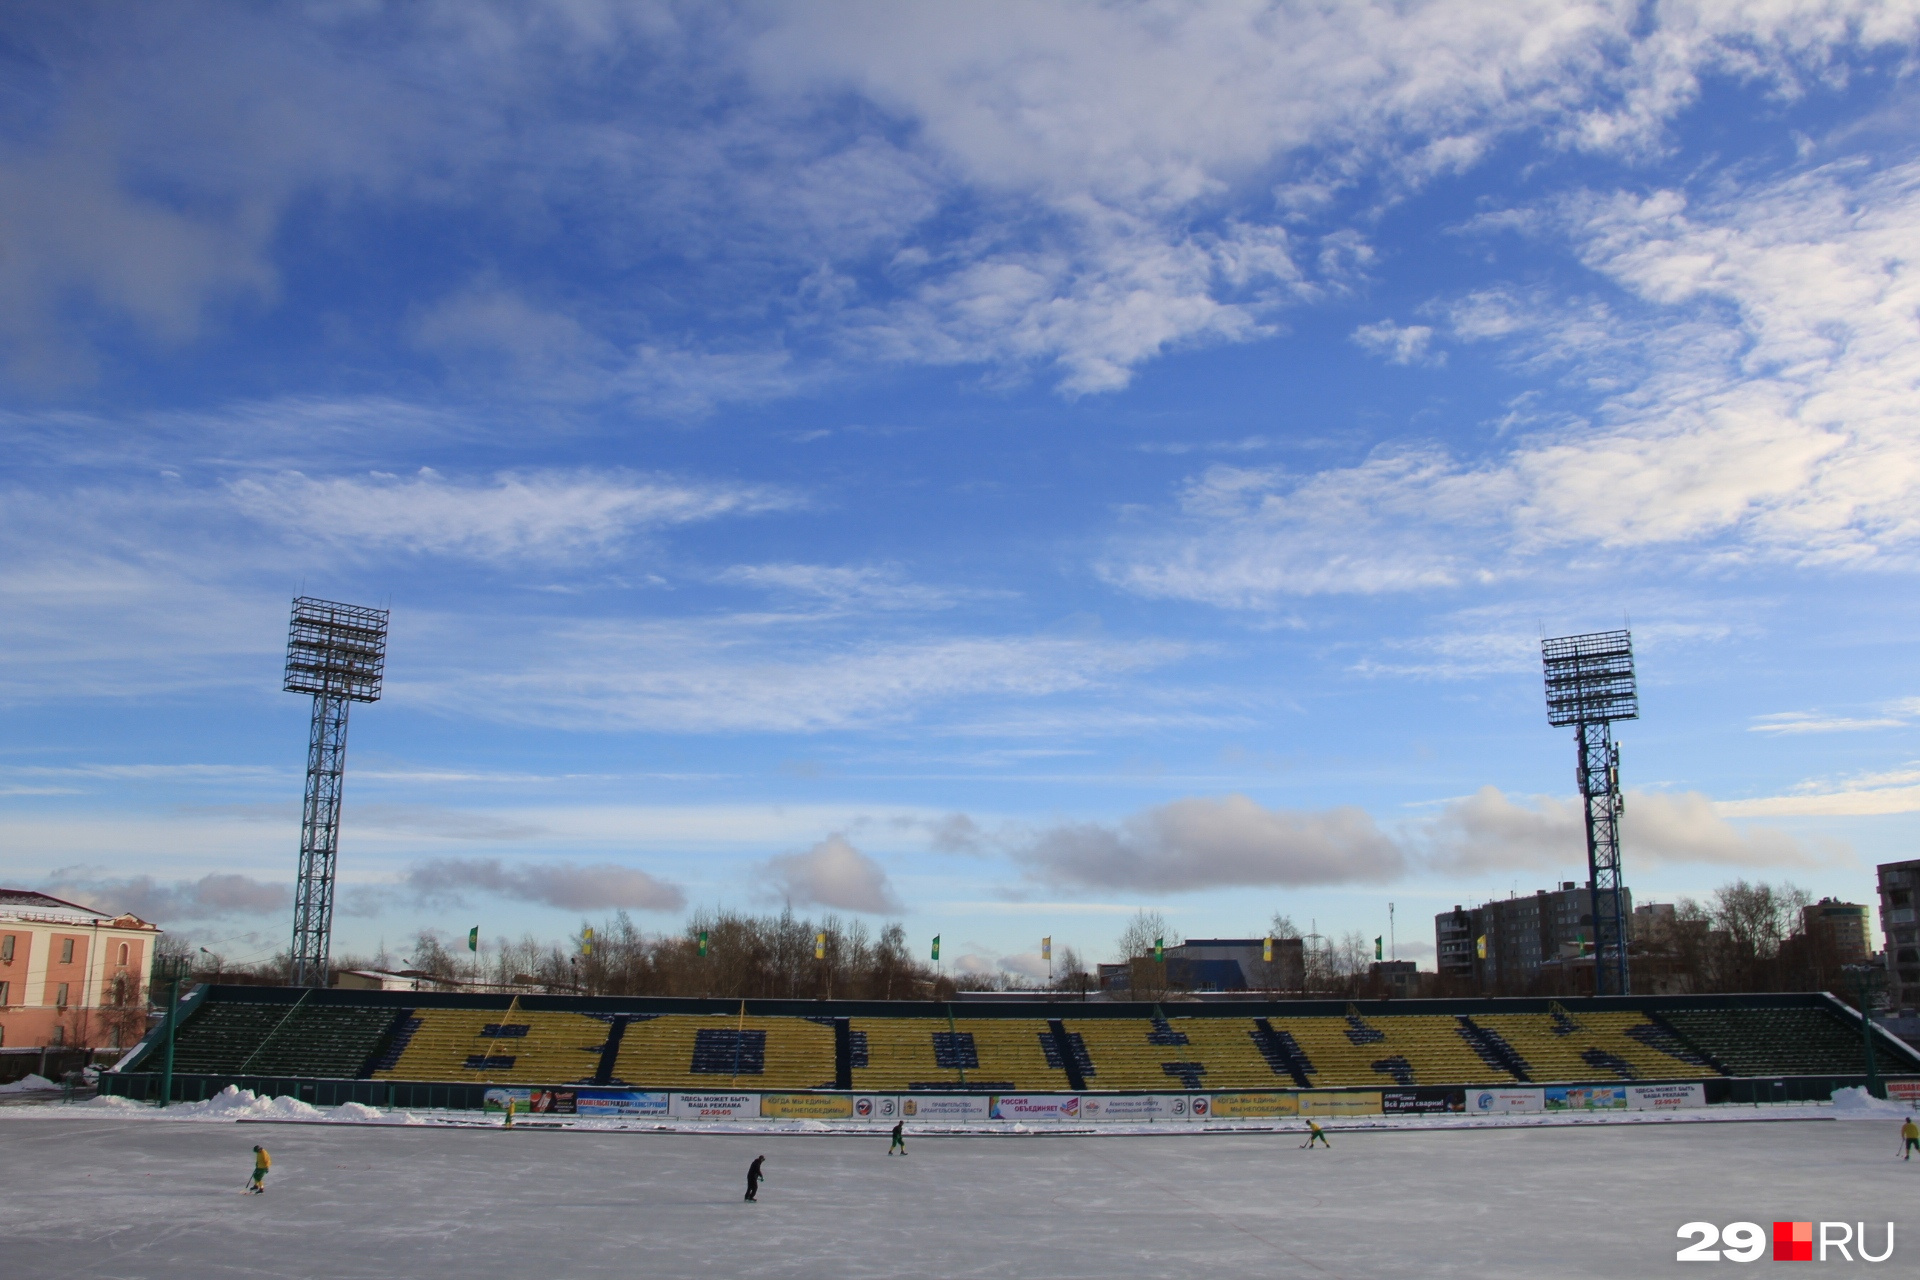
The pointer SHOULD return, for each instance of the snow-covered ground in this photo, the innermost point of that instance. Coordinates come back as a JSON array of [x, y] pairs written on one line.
[[102, 1191]]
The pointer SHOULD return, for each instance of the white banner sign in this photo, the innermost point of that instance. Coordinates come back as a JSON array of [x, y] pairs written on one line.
[[1665, 1097], [1493, 1101], [716, 1106], [876, 1107], [1135, 1107], [941, 1107], [1035, 1106]]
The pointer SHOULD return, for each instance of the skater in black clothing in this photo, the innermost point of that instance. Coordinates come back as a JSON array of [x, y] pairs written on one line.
[[899, 1138], [753, 1178]]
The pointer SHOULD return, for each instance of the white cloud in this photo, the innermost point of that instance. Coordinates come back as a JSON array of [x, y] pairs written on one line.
[[1489, 831], [1870, 794], [603, 886], [1783, 723], [843, 586], [1400, 344], [1754, 403], [832, 874], [211, 897], [1204, 843], [537, 514]]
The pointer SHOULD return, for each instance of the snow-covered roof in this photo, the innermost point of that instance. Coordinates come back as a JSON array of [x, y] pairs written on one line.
[[42, 908]]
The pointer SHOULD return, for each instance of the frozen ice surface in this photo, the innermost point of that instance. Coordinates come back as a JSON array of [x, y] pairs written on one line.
[[98, 1194]]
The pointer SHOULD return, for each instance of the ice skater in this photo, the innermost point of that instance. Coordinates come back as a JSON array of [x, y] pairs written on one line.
[[1316, 1134], [509, 1120], [1909, 1139], [261, 1163], [753, 1178], [899, 1138]]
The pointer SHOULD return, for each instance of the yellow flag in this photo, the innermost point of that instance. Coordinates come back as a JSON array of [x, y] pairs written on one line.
[[1266, 952], [1480, 947], [1046, 947], [819, 946]]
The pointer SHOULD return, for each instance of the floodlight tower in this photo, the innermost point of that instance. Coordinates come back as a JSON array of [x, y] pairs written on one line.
[[1590, 685], [337, 653]]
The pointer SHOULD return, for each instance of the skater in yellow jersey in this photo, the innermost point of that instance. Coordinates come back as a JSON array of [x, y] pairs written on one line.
[[1909, 1139], [261, 1163], [1316, 1134]]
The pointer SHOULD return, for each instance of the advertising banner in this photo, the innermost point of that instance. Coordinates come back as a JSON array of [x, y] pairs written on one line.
[[876, 1107], [1033, 1106], [1254, 1106], [624, 1104], [716, 1106], [1361, 1103], [1665, 1097], [1898, 1090], [1422, 1102], [943, 1107], [806, 1106], [529, 1101], [1500, 1101], [1135, 1107], [1201, 1106], [1586, 1097]]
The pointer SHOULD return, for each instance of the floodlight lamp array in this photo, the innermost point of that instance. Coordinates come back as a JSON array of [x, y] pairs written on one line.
[[1590, 678], [336, 650]]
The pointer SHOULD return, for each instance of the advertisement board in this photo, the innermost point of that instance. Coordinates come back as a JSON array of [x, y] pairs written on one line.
[[623, 1104], [529, 1101], [1358, 1103], [1501, 1101], [1033, 1106], [1422, 1102], [1665, 1097], [716, 1106], [1136, 1107], [940, 1107], [1900, 1090], [806, 1106], [1586, 1097], [883, 1107], [1253, 1106]]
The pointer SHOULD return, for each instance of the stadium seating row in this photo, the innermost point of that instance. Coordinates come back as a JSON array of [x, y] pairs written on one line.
[[890, 1054]]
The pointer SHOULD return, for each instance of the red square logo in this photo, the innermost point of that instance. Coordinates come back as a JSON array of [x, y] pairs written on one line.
[[1793, 1242]]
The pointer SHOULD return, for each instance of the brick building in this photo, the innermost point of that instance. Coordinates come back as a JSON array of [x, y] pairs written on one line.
[[70, 977], [1510, 945]]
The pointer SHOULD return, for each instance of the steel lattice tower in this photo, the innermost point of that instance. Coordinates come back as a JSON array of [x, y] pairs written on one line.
[[337, 653], [1590, 684]]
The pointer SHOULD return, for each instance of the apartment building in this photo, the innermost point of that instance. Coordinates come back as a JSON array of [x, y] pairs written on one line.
[[70, 976]]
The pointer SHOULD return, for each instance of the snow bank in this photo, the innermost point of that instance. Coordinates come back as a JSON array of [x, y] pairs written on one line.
[[28, 1083], [1858, 1104]]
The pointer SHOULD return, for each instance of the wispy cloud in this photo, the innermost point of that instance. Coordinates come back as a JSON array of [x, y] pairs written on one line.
[[543, 514], [1399, 344], [1783, 723], [211, 897]]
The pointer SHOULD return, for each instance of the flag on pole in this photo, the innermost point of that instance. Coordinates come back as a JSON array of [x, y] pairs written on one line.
[[1266, 952], [586, 942], [1046, 947], [473, 938], [936, 946], [819, 946], [703, 942], [1480, 946], [1379, 953], [1159, 950]]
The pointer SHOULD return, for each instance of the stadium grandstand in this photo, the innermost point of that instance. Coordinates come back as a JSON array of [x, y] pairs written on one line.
[[446, 1049]]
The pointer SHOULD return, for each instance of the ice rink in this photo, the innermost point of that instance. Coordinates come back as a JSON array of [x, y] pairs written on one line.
[[126, 1197]]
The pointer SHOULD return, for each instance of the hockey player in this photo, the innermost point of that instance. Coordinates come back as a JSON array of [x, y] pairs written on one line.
[[1909, 1139], [261, 1163], [1316, 1134], [899, 1138], [753, 1178]]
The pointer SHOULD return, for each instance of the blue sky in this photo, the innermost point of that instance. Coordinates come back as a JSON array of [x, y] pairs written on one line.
[[998, 467]]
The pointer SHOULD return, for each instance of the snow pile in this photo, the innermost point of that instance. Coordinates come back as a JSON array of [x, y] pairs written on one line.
[[1858, 1104], [27, 1084]]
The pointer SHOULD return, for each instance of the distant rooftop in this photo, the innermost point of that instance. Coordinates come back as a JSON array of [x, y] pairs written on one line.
[[28, 904]]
